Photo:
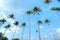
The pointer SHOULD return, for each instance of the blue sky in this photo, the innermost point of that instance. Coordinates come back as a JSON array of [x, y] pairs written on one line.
[[19, 8]]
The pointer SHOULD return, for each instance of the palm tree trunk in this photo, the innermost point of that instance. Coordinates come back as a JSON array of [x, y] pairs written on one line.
[[22, 34], [5, 31], [14, 33], [39, 32], [29, 29], [52, 33]]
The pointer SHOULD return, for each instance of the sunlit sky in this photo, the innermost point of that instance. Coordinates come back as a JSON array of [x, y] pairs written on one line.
[[19, 8]]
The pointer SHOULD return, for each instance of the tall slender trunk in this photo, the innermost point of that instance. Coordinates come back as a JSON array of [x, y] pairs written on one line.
[[22, 34], [39, 36], [5, 31], [52, 33], [29, 29], [14, 33]]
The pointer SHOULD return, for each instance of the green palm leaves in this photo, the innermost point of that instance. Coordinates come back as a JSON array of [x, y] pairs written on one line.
[[7, 26], [15, 39], [24, 24], [47, 1], [11, 16], [55, 8], [16, 23], [36, 9], [2, 20], [39, 22], [47, 21], [29, 12]]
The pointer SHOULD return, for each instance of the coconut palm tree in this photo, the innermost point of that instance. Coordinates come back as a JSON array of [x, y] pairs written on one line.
[[47, 1], [29, 12], [47, 21], [39, 23], [23, 25], [15, 39], [7, 27], [55, 8], [2, 20], [36, 10], [16, 23], [11, 16]]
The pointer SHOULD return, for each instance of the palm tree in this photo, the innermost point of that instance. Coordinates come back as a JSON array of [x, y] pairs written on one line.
[[47, 21], [36, 10], [29, 12], [2, 20], [39, 23], [15, 39], [16, 23], [7, 27], [23, 25], [55, 8], [11, 16], [47, 1]]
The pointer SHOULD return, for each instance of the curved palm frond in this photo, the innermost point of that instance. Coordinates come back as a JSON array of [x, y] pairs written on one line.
[[11, 16], [39, 22], [2, 20], [16, 23], [7, 26], [36, 10], [24, 24], [29, 12], [47, 21], [55, 8]]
